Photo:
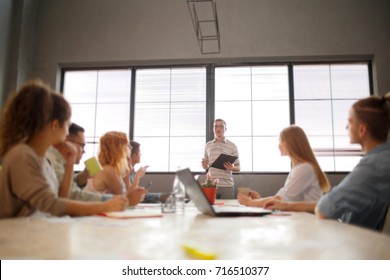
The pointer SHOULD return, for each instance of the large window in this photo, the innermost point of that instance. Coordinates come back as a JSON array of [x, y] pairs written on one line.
[[100, 101], [169, 112], [171, 116], [323, 95], [254, 102]]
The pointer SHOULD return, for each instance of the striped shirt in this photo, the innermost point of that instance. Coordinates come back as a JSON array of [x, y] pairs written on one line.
[[212, 151]]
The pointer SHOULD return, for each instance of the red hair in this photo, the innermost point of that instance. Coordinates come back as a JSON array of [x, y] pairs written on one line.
[[114, 149]]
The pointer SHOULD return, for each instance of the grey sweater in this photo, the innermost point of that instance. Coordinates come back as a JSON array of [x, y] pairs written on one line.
[[28, 185], [58, 162]]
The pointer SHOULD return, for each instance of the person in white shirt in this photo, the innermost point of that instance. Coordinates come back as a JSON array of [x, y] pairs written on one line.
[[363, 196], [305, 182]]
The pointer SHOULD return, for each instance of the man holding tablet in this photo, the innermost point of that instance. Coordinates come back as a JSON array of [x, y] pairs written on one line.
[[215, 148]]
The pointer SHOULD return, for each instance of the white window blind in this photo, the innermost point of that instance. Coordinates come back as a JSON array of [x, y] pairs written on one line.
[[324, 94], [170, 111], [100, 101], [254, 102], [170, 117]]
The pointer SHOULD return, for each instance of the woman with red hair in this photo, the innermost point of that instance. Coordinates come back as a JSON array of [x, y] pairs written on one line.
[[113, 153]]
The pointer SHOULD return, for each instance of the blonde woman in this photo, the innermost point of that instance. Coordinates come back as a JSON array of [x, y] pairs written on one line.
[[113, 153], [305, 182]]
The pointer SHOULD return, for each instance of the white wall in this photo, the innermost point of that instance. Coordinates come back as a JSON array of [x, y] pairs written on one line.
[[17, 43], [117, 32], [265, 184]]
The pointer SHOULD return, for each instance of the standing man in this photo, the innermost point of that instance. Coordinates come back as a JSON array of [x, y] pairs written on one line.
[[221, 145]]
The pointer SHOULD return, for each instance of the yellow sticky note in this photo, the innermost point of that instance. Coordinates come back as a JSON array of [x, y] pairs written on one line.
[[199, 254]]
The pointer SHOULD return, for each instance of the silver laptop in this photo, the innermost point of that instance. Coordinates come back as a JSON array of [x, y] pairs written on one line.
[[194, 191]]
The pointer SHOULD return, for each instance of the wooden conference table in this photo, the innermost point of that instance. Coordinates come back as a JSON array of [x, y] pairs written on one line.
[[277, 236]]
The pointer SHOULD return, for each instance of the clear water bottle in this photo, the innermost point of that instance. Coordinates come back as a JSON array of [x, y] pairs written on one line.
[[180, 194], [169, 205]]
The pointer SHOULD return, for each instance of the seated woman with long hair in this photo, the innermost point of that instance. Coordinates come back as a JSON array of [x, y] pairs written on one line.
[[305, 182], [33, 119], [113, 153]]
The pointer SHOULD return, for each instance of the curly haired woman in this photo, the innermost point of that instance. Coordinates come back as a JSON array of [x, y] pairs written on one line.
[[113, 152], [34, 118]]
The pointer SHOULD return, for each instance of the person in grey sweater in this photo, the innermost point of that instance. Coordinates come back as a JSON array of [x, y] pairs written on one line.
[[33, 119]]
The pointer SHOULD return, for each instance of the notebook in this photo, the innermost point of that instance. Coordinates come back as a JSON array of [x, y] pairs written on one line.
[[133, 214], [220, 161], [194, 191]]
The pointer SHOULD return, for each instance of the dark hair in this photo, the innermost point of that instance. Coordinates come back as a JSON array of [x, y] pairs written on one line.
[[28, 111], [74, 129], [134, 147], [375, 113]]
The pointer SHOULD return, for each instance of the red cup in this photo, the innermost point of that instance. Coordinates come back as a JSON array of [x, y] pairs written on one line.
[[210, 194]]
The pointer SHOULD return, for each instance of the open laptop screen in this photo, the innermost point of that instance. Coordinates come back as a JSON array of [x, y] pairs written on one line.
[[196, 194]]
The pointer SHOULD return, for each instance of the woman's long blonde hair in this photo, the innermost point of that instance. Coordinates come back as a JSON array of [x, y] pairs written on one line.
[[300, 150], [114, 149]]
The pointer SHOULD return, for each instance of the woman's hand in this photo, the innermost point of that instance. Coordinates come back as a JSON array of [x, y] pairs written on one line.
[[68, 151], [244, 199], [135, 196], [117, 203], [254, 194], [276, 204]]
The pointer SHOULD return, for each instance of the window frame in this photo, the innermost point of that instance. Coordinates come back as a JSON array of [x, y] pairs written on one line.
[[210, 90]]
